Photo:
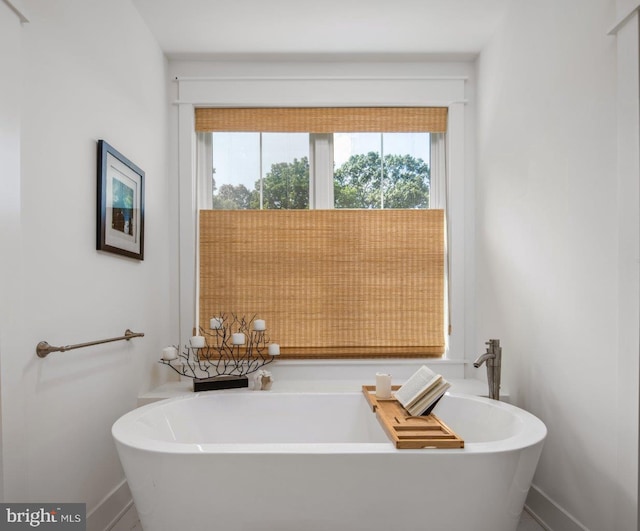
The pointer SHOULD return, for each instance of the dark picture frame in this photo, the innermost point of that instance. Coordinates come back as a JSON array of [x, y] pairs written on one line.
[[120, 220]]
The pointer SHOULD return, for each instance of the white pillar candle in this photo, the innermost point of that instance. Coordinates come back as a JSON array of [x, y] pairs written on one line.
[[215, 323], [274, 349], [197, 342], [383, 385], [238, 338], [259, 325], [169, 353]]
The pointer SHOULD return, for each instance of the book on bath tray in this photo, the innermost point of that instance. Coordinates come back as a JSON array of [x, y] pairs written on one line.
[[422, 391]]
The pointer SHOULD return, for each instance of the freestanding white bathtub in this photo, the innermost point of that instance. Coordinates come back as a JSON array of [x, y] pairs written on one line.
[[267, 461]]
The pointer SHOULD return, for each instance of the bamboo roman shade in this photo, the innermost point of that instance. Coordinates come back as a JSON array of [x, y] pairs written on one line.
[[323, 119], [329, 283]]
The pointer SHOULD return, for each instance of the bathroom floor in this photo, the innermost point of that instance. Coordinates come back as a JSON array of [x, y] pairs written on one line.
[[130, 522], [528, 523]]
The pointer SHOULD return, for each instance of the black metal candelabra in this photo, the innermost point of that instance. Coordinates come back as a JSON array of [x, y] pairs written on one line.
[[233, 348]]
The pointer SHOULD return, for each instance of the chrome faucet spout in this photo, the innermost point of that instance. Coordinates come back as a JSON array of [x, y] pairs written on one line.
[[484, 357], [493, 358]]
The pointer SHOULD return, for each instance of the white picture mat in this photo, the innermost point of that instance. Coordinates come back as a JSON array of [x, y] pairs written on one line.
[[121, 172]]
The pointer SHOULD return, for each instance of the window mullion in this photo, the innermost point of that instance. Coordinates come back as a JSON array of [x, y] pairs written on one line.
[[381, 170], [261, 177], [321, 171]]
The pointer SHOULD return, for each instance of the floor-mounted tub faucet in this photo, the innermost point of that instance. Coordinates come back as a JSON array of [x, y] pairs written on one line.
[[493, 359]]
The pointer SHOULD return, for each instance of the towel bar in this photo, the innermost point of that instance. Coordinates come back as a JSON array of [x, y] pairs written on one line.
[[44, 349]]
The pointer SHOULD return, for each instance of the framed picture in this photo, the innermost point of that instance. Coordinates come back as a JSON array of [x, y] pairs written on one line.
[[120, 204]]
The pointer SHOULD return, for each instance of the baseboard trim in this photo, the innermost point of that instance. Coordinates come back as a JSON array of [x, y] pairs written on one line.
[[549, 514], [105, 515]]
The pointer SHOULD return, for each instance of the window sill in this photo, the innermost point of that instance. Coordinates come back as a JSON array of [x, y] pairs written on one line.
[[375, 361]]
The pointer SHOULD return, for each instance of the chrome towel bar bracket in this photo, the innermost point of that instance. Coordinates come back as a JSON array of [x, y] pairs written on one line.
[[44, 349]]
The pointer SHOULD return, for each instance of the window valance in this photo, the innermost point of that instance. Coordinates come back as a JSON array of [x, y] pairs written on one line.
[[323, 119]]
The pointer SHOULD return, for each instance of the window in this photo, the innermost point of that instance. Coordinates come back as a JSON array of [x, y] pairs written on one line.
[[259, 170], [359, 283], [381, 170], [356, 157], [255, 170]]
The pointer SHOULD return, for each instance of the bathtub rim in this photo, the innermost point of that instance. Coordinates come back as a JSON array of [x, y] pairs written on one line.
[[533, 433]]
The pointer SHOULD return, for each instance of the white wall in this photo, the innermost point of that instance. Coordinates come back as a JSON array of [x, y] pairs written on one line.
[[10, 269], [551, 248], [627, 37], [87, 70]]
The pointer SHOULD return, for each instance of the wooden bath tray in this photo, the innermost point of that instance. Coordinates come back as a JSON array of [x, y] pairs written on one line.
[[408, 432]]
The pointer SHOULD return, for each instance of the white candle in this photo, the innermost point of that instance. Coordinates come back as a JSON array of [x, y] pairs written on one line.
[[169, 353], [383, 385], [197, 342], [215, 323], [238, 338], [274, 349], [259, 325]]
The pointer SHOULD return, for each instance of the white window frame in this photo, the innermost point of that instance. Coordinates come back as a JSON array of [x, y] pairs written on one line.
[[332, 91]]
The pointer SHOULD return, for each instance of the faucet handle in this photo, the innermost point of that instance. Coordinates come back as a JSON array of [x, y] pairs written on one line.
[[492, 343]]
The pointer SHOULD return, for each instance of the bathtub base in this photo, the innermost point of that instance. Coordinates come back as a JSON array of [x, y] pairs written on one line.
[[219, 382], [347, 492]]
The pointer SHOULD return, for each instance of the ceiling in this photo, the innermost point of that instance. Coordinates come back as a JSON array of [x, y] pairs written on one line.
[[196, 28]]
